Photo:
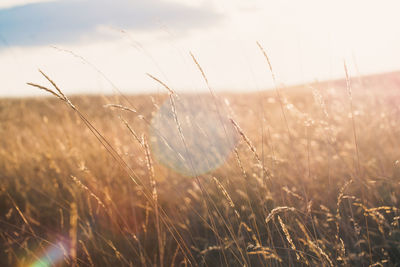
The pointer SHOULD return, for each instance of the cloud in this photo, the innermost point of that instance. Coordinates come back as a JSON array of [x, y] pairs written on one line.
[[13, 3], [68, 21]]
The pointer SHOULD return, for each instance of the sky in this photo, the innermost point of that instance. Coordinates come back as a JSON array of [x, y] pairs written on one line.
[[95, 46]]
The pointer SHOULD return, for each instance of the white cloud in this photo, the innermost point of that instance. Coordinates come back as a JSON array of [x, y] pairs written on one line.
[[69, 21], [14, 3]]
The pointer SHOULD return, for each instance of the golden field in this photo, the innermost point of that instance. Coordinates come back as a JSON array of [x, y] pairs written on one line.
[[313, 180]]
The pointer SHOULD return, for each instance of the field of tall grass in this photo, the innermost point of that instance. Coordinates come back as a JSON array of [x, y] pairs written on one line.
[[313, 179]]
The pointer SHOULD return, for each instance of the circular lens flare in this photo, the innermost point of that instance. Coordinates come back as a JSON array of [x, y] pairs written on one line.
[[192, 134]]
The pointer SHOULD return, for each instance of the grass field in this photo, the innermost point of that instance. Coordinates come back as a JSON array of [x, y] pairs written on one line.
[[313, 180]]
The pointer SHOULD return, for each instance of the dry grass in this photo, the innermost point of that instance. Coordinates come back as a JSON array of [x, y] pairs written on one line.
[[314, 181]]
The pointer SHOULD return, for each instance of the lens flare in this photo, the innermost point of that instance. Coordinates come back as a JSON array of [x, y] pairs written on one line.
[[50, 257], [192, 134]]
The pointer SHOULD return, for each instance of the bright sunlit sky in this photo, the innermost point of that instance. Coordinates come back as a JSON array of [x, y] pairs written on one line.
[[122, 40]]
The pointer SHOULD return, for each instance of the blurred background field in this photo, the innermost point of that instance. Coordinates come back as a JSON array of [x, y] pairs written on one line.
[[314, 180]]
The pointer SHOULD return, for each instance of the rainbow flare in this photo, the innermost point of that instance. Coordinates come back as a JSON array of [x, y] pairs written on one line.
[[50, 257]]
